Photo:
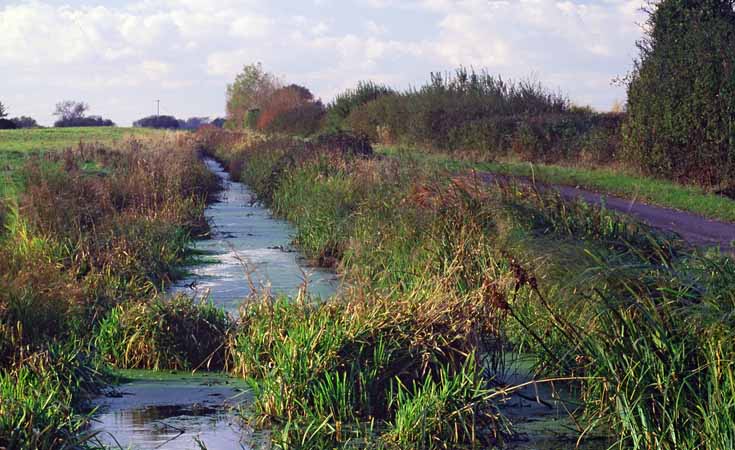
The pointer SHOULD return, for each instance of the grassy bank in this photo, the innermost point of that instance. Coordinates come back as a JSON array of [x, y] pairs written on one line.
[[16, 146], [615, 182], [446, 277], [96, 226]]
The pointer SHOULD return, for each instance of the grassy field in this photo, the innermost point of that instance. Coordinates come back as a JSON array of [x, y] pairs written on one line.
[[17, 145], [607, 181]]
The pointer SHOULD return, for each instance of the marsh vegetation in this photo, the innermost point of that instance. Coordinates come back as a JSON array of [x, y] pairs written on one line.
[[447, 277]]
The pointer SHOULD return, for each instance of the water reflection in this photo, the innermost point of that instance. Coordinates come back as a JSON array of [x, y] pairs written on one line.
[[172, 415]]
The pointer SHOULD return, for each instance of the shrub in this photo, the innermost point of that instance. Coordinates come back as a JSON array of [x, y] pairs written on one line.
[[344, 103], [681, 94]]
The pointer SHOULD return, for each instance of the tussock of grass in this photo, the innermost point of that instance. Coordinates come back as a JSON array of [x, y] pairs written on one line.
[[176, 334]]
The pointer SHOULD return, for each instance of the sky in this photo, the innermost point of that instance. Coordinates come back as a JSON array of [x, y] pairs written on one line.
[[120, 56]]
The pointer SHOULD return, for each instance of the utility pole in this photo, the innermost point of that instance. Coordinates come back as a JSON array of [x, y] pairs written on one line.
[[158, 108]]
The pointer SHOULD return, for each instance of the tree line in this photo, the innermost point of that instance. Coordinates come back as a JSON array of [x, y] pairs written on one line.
[[72, 113]]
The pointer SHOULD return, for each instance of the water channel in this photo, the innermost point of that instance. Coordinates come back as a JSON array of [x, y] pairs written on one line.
[[248, 248]]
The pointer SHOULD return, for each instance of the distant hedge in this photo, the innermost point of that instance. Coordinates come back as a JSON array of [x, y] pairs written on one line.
[[89, 121], [161, 122], [681, 96], [6, 124]]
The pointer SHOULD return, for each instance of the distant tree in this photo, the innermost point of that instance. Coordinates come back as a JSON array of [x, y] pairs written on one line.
[[303, 92], [281, 101], [291, 109], [24, 122], [248, 93], [219, 122], [3, 111], [161, 122], [87, 121], [72, 114], [69, 110], [681, 94]]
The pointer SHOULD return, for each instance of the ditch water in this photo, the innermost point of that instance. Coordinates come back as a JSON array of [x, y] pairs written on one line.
[[248, 249]]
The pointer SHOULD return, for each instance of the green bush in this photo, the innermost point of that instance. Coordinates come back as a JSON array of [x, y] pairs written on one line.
[[681, 95], [481, 112]]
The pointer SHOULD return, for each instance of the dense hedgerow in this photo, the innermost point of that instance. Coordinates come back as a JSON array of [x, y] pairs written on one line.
[[478, 111], [346, 102], [681, 95]]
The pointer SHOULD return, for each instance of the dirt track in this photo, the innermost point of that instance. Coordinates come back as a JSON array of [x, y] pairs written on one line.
[[694, 229]]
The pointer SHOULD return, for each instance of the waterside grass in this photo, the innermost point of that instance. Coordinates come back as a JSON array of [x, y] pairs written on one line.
[[638, 319], [94, 226], [619, 182]]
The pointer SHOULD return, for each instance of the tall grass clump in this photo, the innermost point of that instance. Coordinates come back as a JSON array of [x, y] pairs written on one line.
[[659, 350], [357, 370], [175, 334], [38, 397]]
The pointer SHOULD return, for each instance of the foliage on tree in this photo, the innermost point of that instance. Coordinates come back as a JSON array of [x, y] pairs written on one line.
[[73, 114], [68, 110], [3, 111], [248, 93], [160, 122], [291, 109], [681, 94], [6, 124], [193, 123]]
